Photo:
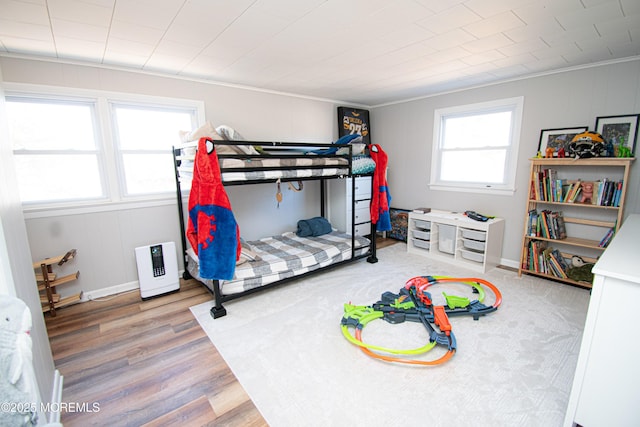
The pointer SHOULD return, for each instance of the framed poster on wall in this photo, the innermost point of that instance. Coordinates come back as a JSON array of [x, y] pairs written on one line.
[[620, 131], [354, 120]]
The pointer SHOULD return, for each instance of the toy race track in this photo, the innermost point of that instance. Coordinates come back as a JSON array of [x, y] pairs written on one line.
[[413, 303]]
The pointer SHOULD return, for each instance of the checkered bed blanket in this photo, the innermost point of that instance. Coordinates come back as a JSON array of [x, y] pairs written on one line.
[[274, 168], [284, 256]]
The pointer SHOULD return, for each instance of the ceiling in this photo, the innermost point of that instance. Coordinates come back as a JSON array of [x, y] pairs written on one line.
[[364, 52]]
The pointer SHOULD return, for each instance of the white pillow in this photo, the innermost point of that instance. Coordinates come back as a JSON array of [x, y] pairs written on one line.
[[231, 134], [206, 130], [356, 149]]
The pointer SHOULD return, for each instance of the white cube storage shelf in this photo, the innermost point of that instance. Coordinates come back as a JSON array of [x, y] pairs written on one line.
[[455, 238]]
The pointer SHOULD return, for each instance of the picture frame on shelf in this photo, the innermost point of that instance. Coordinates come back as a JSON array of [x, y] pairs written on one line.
[[621, 131], [558, 139]]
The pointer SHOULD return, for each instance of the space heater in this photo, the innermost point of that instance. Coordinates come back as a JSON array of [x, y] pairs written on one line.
[[157, 269]]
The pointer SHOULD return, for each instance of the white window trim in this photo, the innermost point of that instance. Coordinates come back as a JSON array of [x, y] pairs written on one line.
[[110, 105], [508, 189], [113, 200]]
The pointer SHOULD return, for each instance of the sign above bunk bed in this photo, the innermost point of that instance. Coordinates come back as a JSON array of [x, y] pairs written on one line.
[[354, 121]]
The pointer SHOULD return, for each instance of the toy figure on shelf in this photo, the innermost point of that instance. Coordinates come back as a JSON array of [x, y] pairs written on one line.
[[623, 150], [609, 150], [587, 192], [549, 152], [561, 153]]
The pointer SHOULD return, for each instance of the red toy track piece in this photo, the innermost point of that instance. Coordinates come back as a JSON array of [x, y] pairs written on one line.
[[441, 319]]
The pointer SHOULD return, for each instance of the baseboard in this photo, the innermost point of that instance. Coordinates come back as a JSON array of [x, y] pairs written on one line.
[[56, 399], [111, 290], [510, 263]]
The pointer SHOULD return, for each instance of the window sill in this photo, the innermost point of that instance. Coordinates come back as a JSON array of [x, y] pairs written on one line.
[[475, 190], [32, 212]]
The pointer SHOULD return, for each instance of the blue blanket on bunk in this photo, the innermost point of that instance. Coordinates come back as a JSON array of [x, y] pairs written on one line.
[[313, 227]]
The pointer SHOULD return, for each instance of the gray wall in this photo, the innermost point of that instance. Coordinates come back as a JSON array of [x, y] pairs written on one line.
[[568, 99], [105, 239]]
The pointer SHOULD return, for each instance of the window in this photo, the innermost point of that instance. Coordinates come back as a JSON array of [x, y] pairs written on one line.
[[475, 147], [95, 147], [55, 149], [144, 136]]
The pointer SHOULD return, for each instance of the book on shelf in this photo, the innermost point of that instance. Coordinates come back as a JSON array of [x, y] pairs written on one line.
[[617, 194], [611, 194], [544, 225], [576, 195], [553, 265], [547, 224], [532, 223], [546, 186], [573, 192], [608, 237], [544, 259], [606, 192], [532, 262], [559, 225], [558, 256], [422, 210]]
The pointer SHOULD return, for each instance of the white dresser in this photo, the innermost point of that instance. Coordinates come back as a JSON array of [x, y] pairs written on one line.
[[606, 385], [340, 204]]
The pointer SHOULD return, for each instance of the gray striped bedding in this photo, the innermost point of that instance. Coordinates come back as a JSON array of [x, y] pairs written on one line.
[[284, 256], [283, 168]]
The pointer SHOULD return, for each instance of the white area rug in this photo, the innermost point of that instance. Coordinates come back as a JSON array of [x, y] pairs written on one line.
[[513, 367]]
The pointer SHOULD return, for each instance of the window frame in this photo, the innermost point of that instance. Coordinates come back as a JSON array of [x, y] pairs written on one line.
[[109, 156], [121, 152], [515, 105], [96, 151]]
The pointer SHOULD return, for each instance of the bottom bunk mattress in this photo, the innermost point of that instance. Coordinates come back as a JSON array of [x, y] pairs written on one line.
[[275, 258]]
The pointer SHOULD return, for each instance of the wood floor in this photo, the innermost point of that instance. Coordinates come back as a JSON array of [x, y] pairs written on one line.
[[146, 363]]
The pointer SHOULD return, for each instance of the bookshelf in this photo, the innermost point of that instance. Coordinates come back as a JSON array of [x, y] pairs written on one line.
[[574, 207]]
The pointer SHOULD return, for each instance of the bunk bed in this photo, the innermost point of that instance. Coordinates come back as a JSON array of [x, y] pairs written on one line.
[[274, 260]]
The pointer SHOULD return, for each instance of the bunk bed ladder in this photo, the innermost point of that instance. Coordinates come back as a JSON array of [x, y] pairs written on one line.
[[372, 259], [183, 232]]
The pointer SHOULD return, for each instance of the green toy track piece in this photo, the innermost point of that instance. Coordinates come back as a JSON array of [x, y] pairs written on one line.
[[454, 301], [402, 304], [474, 285], [365, 314]]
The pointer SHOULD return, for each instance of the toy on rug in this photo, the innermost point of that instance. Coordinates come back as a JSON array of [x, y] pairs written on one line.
[[413, 303]]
